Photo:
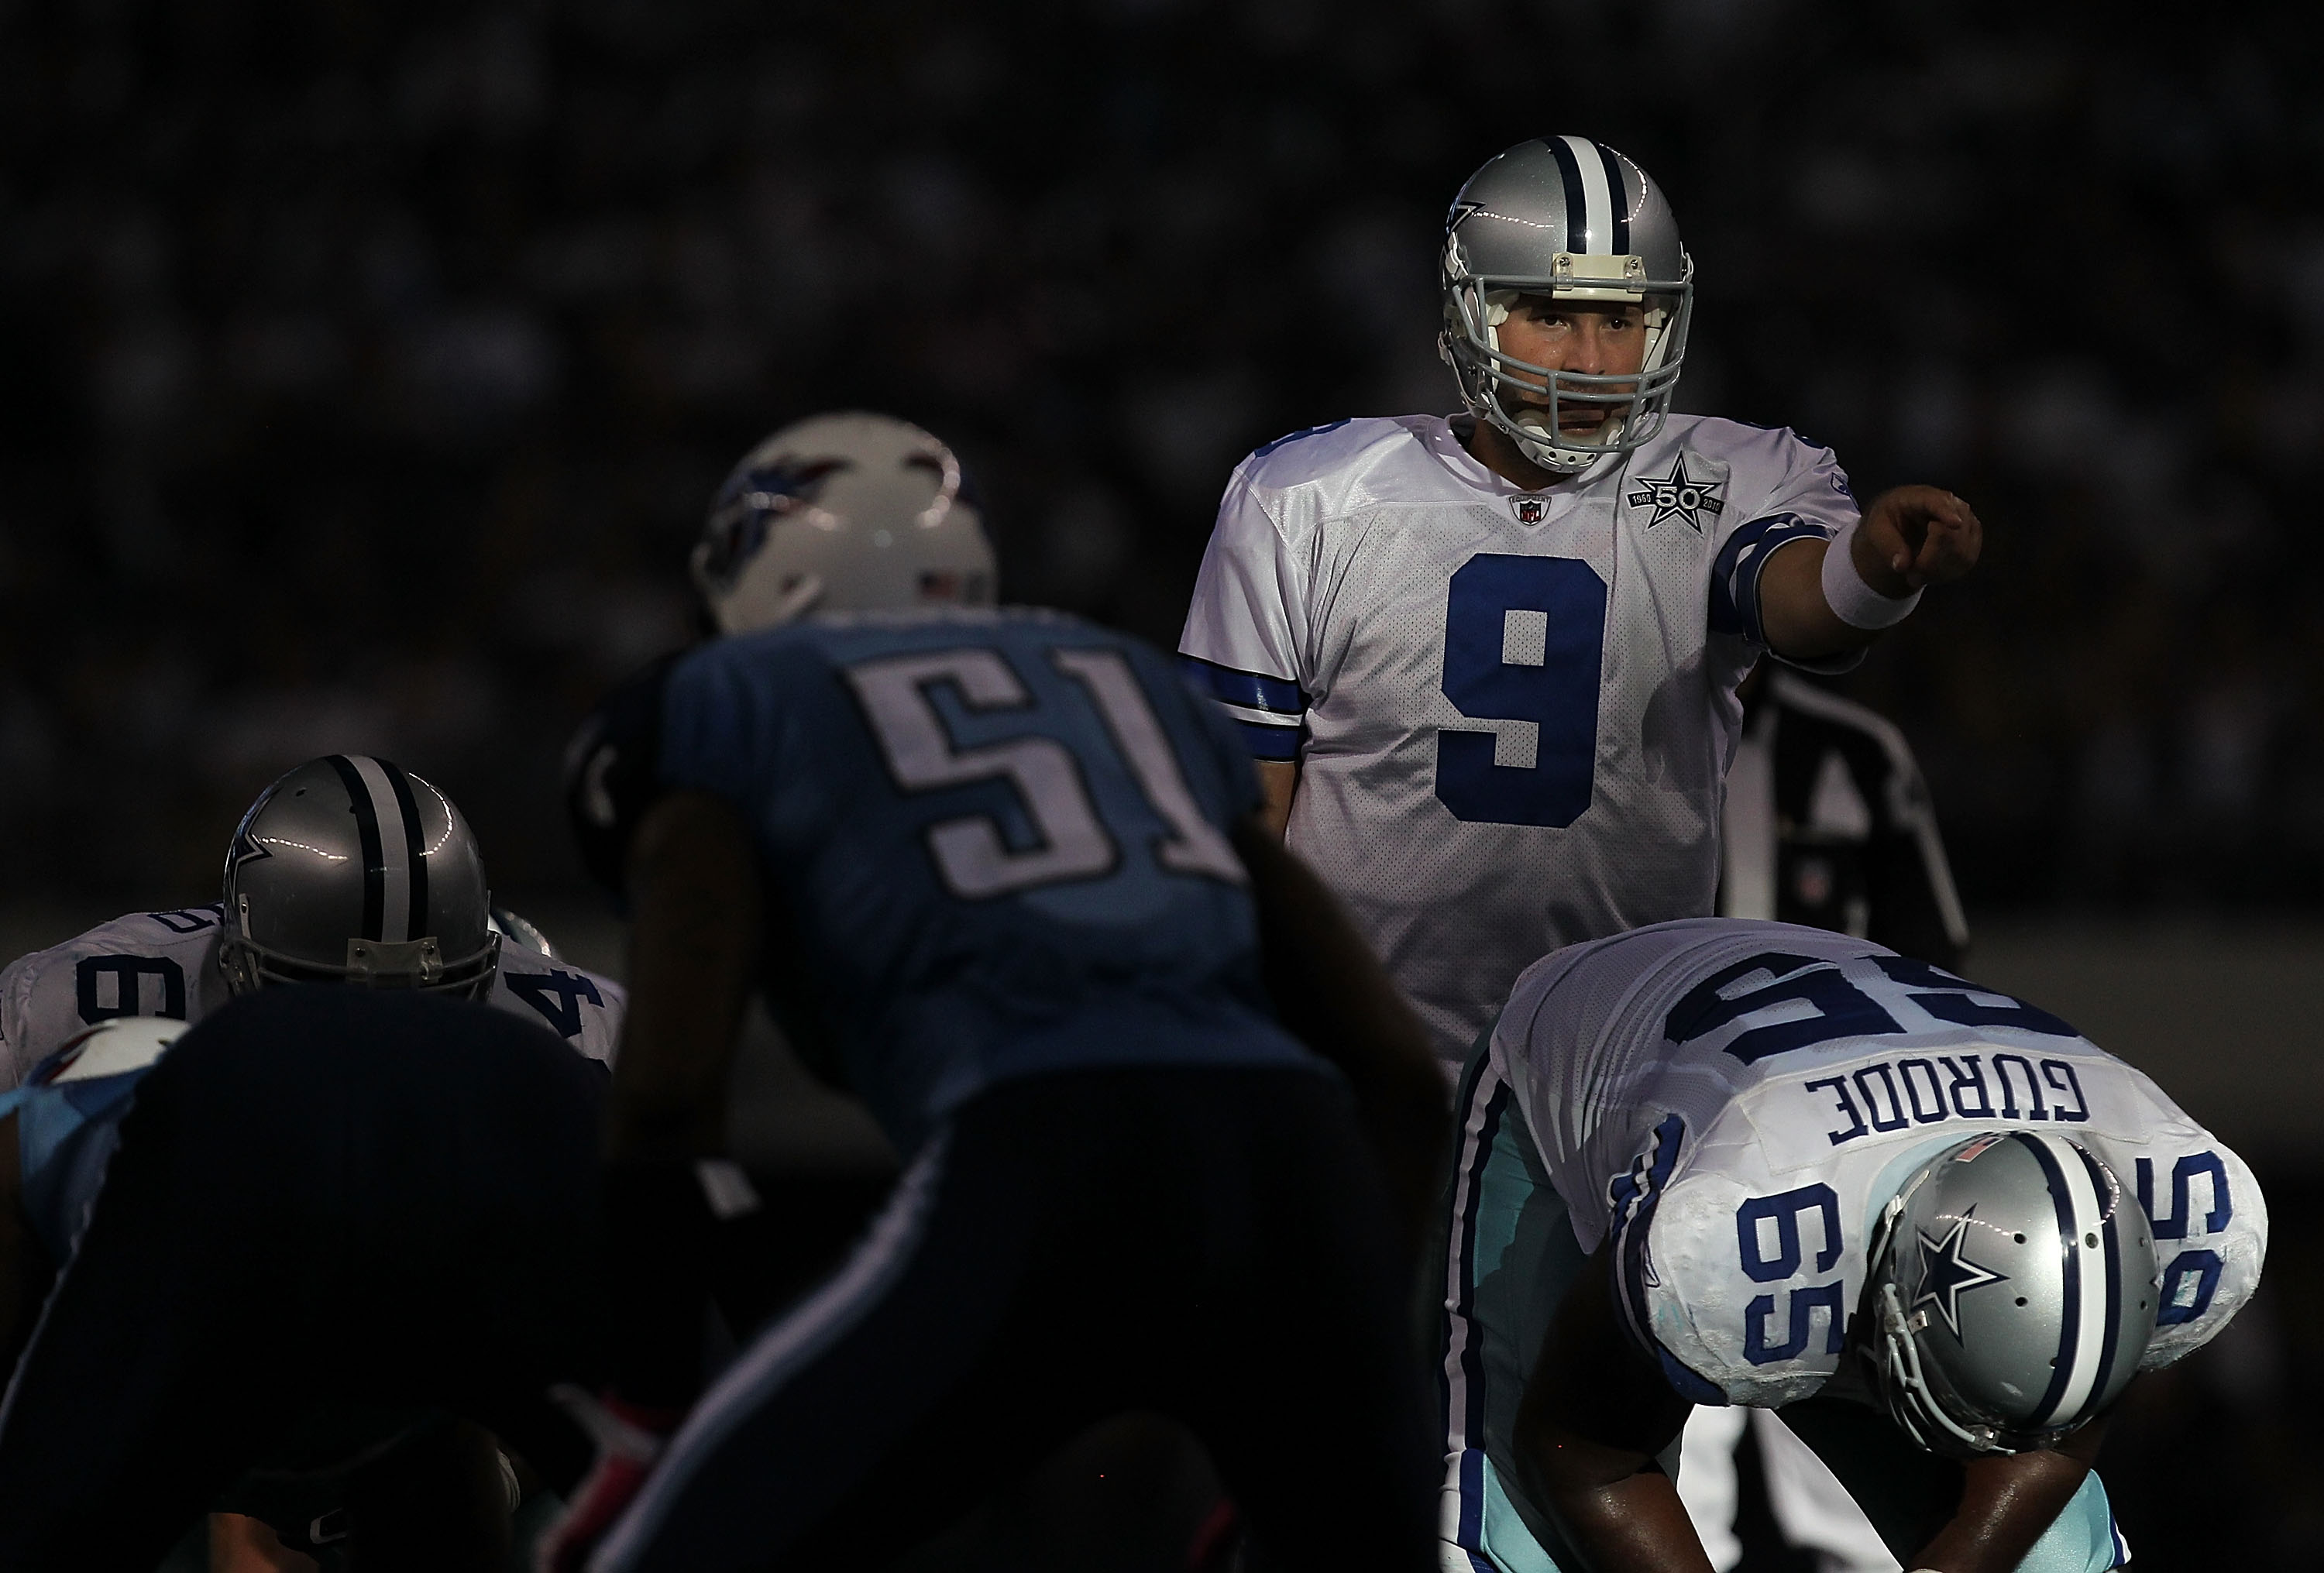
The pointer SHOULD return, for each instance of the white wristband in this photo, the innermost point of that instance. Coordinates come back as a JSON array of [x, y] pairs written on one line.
[[1851, 600]]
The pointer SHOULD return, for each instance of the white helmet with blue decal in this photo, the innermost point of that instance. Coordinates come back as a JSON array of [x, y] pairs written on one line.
[[1572, 219], [848, 512], [2012, 1291]]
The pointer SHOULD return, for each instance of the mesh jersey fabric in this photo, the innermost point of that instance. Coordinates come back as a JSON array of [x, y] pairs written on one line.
[[1512, 711], [1726, 1098]]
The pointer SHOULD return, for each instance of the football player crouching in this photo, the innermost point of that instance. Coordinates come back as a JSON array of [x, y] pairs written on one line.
[[999, 872], [1725, 1162], [318, 1258], [349, 869]]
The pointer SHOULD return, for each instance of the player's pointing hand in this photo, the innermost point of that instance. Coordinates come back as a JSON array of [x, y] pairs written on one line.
[[1913, 536]]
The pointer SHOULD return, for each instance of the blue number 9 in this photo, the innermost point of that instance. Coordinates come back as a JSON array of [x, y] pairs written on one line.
[[1523, 641]]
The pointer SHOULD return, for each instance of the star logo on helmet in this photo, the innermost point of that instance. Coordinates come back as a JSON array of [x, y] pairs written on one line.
[[245, 850], [1946, 1274], [1678, 495]]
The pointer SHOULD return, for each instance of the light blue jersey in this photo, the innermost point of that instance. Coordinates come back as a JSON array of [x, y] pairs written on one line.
[[1000, 840], [69, 1115]]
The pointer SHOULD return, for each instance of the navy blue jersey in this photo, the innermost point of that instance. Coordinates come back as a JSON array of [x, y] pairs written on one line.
[[999, 839]]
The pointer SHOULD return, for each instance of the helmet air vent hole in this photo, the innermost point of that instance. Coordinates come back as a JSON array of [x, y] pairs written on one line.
[[2091, 1241], [2021, 1240], [2021, 1300]]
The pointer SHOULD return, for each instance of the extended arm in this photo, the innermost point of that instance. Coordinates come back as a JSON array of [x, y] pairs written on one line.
[[1594, 1413], [1332, 991], [2007, 1501], [1592, 1417], [693, 875], [1911, 536]]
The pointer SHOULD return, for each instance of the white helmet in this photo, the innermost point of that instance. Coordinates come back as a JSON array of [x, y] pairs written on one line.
[[848, 512], [1574, 220]]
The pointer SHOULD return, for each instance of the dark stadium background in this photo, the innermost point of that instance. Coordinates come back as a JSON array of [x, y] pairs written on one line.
[[364, 370]]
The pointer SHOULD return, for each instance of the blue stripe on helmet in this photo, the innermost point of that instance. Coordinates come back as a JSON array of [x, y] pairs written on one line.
[[1616, 198], [1577, 210], [415, 848], [367, 834], [2102, 1183], [2062, 1370]]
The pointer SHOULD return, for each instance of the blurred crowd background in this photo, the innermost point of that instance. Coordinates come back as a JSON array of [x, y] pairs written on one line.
[[366, 368]]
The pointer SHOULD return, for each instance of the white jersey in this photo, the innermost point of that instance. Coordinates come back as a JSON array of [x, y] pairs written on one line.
[[166, 963], [1711, 1090], [1513, 711]]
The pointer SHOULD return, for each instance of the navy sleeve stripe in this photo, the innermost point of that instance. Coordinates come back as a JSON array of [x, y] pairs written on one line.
[[1269, 743], [1252, 690], [1634, 1195], [1735, 575]]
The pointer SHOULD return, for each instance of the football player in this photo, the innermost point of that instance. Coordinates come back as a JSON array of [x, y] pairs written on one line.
[[321, 1223], [1724, 1162], [1487, 663], [349, 868], [1828, 823], [1001, 872]]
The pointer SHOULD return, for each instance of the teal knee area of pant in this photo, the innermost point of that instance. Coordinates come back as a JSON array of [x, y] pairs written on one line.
[[1502, 1537], [2083, 1537]]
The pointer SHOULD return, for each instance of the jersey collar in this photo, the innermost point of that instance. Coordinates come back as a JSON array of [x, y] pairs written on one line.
[[1441, 434]]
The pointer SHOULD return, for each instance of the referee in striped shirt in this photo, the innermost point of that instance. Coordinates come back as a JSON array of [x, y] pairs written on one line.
[[1827, 822]]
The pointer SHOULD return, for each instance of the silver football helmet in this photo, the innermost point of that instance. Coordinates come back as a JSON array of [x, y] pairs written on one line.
[[851, 512], [350, 870], [2011, 1293], [1574, 220]]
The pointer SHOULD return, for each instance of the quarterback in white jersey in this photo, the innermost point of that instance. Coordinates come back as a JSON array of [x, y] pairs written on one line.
[[166, 964], [1697, 1164], [1487, 663]]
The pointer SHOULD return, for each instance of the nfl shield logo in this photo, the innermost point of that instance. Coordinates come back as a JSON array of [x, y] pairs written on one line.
[[1529, 509]]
